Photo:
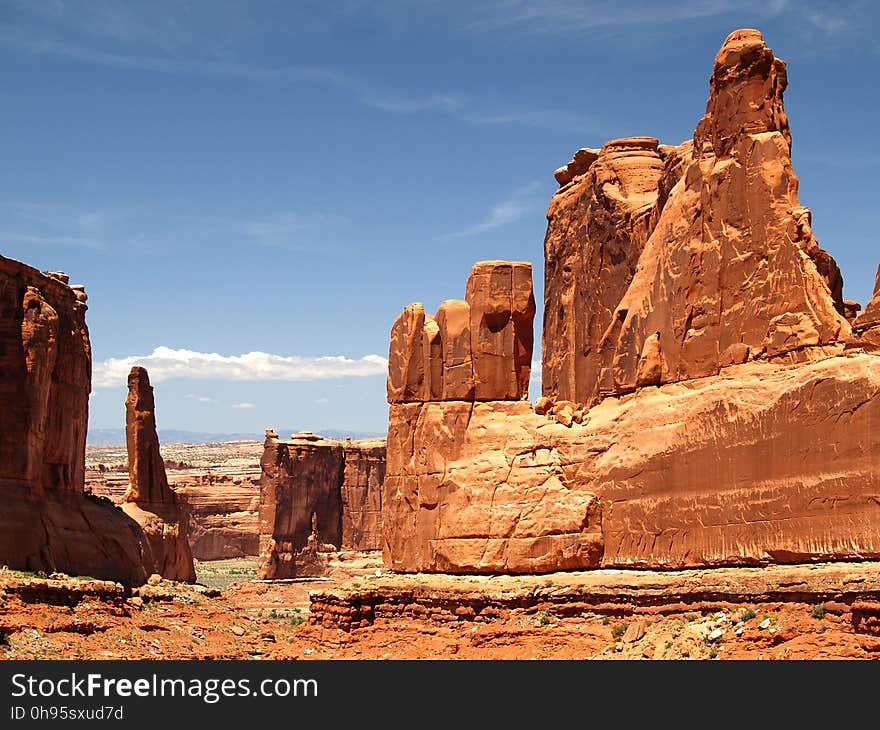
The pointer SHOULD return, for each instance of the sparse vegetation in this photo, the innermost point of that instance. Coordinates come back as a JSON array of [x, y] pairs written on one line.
[[619, 630], [221, 573], [545, 618], [747, 615], [605, 620], [4, 639], [818, 611]]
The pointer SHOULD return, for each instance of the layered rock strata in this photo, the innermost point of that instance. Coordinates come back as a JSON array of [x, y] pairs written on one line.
[[149, 500], [317, 495], [47, 523], [697, 409]]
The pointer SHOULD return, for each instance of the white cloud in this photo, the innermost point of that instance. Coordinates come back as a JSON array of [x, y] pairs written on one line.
[[244, 406], [536, 372], [165, 363], [200, 398]]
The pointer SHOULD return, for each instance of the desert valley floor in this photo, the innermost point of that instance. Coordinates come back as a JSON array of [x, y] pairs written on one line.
[[359, 611]]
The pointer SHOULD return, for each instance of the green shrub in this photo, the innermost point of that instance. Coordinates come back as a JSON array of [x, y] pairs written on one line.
[[818, 611], [747, 615], [619, 630]]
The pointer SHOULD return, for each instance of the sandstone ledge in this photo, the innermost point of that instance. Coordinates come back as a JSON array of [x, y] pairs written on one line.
[[842, 587]]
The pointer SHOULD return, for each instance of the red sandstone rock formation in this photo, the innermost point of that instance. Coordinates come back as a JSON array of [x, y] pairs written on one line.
[[149, 500], [317, 495], [704, 251], [47, 523], [426, 429], [361, 492], [694, 263], [300, 480], [598, 223], [478, 349], [870, 319]]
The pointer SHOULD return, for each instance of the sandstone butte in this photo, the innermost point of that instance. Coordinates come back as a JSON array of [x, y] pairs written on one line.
[[47, 522], [149, 500], [708, 397], [317, 495]]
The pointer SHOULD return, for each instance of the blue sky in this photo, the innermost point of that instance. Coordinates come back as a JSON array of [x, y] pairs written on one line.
[[283, 178]]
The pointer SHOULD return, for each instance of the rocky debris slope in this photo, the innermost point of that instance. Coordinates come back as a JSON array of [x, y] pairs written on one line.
[[149, 500], [317, 495], [705, 401], [47, 522]]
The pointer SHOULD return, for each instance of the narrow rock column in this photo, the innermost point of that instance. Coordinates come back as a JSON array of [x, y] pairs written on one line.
[[149, 500]]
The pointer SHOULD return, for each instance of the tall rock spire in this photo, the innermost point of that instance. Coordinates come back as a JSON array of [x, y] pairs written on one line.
[[149, 500], [146, 470]]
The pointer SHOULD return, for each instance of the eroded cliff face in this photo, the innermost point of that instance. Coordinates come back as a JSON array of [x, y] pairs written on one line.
[[318, 495], [706, 401], [149, 500], [454, 498], [597, 226], [361, 493], [47, 523]]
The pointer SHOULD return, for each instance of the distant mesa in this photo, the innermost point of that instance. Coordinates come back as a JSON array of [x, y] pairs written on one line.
[[317, 495]]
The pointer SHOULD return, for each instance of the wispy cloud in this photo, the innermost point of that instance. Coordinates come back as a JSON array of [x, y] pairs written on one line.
[[165, 363], [145, 227], [521, 203], [571, 15], [52, 225], [465, 108], [244, 406]]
